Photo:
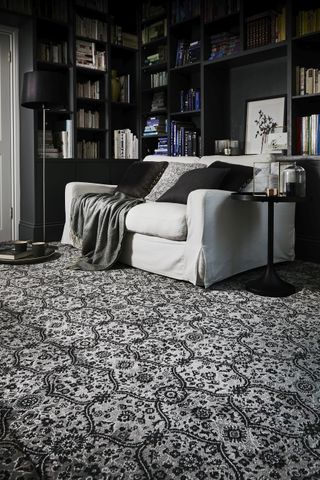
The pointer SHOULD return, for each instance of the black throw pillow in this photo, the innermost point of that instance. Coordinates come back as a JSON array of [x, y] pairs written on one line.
[[237, 178], [194, 180], [140, 178]]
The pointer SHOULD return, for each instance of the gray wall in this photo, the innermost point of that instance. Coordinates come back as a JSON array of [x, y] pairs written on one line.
[[252, 81]]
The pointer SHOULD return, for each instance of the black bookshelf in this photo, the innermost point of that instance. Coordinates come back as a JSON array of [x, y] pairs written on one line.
[[249, 68], [50, 34]]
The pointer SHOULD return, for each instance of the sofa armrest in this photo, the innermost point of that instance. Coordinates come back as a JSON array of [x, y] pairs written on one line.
[[74, 189], [226, 236]]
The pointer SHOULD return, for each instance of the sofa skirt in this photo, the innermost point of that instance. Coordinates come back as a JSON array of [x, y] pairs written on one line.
[[155, 254]]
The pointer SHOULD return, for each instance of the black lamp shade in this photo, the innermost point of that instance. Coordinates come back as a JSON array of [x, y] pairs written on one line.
[[48, 89]]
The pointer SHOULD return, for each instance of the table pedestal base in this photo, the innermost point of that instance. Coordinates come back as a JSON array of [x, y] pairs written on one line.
[[270, 285]]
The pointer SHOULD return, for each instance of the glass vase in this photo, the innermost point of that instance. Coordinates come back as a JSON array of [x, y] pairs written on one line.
[[294, 181]]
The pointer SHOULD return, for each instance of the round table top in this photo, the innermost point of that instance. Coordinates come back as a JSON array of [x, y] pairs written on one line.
[[262, 197], [49, 253]]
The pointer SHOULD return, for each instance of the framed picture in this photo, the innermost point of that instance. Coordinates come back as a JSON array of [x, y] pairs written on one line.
[[263, 116]]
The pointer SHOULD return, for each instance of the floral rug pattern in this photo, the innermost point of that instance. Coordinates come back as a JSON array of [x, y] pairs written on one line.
[[126, 375]]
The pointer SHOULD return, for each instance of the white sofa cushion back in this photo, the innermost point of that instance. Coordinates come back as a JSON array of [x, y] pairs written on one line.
[[247, 160], [165, 220], [167, 158]]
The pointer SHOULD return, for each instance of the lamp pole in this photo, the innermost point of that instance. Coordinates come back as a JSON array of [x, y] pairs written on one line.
[[43, 173], [44, 90]]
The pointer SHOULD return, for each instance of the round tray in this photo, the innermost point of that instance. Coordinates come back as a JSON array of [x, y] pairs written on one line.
[[49, 252]]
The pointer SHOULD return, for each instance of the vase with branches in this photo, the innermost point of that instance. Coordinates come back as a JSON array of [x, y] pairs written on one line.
[[266, 124]]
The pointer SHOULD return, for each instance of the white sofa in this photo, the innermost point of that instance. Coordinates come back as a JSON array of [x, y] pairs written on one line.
[[209, 239]]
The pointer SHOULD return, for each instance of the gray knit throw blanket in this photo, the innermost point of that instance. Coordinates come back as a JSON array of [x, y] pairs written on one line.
[[98, 221]]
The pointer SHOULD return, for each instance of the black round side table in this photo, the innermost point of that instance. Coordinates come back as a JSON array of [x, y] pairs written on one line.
[[269, 284]]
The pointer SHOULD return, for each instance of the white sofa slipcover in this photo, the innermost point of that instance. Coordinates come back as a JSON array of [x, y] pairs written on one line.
[[209, 239]]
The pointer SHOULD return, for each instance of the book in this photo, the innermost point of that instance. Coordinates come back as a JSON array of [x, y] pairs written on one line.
[[10, 254]]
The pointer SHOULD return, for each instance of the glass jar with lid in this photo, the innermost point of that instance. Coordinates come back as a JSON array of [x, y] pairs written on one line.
[[294, 181]]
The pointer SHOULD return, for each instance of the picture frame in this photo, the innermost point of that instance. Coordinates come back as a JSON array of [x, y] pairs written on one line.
[[277, 141], [263, 116]]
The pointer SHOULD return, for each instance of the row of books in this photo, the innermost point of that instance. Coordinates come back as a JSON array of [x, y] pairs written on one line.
[[158, 101], [187, 52], [125, 89], [214, 9], [58, 143], [88, 89], [308, 21], [91, 28], [21, 6], [185, 139], [184, 9], [155, 126], [158, 57], [52, 147], [88, 56], [190, 99], [100, 5], [307, 80], [50, 51], [154, 31], [151, 9], [88, 149], [125, 39], [52, 9], [266, 27], [223, 44], [308, 135], [158, 79], [125, 144], [88, 118], [162, 147]]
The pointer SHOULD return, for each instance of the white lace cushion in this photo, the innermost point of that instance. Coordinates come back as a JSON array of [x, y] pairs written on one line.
[[170, 176]]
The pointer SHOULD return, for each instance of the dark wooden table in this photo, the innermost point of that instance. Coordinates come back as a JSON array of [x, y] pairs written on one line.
[[269, 284]]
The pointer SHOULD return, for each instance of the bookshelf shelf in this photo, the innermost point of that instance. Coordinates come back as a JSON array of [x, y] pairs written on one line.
[[89, 39], [156, 41], [308, 98], [149, 113], [185, 23], [155, 67], [250, 56], [123, 105], [231, 17], [307, 37], [188, 67], [154, 89], [88, 129], [88, 100], [123, 48], [153, 19], [93, 71], [185, 113]]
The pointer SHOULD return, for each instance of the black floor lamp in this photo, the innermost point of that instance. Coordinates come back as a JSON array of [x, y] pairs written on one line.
[[44, 90]]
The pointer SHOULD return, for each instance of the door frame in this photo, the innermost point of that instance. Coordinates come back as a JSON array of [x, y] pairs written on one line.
[[14, 127]]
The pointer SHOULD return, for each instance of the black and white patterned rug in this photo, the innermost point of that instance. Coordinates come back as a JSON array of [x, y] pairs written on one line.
[[128, 375]]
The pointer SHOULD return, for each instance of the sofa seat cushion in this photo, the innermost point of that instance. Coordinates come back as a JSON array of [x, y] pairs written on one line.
[[165, 220]]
